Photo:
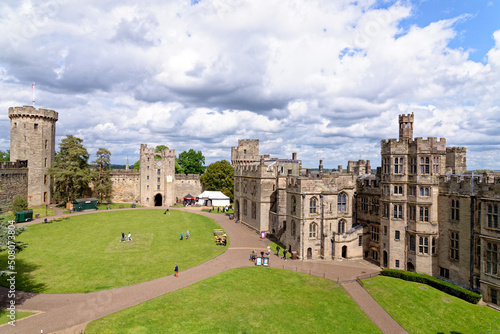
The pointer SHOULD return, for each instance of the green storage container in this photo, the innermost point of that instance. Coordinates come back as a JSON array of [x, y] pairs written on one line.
[[85, 204], [24, 216]]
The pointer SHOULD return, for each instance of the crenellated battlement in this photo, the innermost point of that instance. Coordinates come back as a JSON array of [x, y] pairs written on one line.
[[151, 151], [29, 111], [456, 149], [465, 184], [13, 164]]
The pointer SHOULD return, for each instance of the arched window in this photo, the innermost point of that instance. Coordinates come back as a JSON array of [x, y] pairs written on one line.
[[341, 203], [341, 228], [312, 230], [294, 205], [312, 205], [398, 211]]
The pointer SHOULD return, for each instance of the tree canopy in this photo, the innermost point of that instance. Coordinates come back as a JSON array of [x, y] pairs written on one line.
[[19, 204], [70, 170], [100, 175], [191, 162], [219, 176], [5, 156]]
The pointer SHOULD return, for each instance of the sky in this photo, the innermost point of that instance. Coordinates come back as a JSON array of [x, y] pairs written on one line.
[[326, 79]]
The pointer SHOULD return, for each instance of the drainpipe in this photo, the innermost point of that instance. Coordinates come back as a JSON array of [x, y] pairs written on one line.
[[303, 226], [321, 228]]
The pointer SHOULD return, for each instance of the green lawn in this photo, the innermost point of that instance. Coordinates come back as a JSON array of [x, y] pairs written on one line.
[[273, 245], [83, 253], [245, 300], [41, 210], [420, 308], [19, 315]]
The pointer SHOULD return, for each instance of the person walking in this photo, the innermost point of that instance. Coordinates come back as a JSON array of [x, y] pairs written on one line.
[[268, 250], [284, 253], [187, 234], [277, 251], [182, 236], [129, 236], [123, 237], [176, 270]]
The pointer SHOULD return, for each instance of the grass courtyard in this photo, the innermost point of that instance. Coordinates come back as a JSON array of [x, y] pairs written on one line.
[[245, 300], [84, 253], [420, 308]]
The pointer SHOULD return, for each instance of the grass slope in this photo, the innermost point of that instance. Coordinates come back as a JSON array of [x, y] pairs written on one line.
[[19, 315], [83, 253], [245, 300], [420, 308]]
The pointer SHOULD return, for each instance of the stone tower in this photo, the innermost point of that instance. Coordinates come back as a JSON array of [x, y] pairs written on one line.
[[245, 153], [32, 138], [406, 126], [157, 177]]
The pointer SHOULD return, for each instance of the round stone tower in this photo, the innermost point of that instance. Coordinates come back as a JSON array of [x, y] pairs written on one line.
[[32, 139]]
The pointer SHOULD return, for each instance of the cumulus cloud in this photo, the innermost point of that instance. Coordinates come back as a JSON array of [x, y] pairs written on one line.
[[325, 79]]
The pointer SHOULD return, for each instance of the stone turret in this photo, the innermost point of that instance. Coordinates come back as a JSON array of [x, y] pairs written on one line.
[[32, 138], [406, 126]]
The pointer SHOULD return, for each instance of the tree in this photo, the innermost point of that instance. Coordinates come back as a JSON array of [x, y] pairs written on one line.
[[219, 176], [70, 170], [100, 175], [192, 162], [137, 165], [159, 149], [5, 156], [19, 204]]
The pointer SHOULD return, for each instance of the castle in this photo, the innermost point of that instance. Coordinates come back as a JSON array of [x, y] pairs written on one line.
[[421, 211], [32, 152]]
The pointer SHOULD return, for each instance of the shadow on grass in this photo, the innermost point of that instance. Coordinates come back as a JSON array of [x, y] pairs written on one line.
[[24, 284]]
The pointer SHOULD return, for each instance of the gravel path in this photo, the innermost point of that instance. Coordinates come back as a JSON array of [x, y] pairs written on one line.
[[70, 313]]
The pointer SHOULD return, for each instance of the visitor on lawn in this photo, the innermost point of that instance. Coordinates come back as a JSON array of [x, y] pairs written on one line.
[[277, 251], [176, 270], [129, 236], [182, 236], [187, 234], [123, 237]]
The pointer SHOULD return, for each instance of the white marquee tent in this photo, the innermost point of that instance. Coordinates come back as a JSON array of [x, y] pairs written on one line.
[[215, 198]]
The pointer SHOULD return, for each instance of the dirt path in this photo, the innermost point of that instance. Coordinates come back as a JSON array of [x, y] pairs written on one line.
[[70, 313]]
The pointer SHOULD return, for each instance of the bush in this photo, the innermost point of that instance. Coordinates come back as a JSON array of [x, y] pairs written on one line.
[[435, 282], [19, 204]]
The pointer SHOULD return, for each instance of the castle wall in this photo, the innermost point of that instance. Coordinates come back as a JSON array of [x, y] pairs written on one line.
[[126, 186], [13, 182], [187, 184]]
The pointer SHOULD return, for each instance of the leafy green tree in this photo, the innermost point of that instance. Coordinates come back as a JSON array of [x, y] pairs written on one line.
[[158, 149], [5, 156], [137, 165], [19, 204], [178, 168], [219, 176], [70, 170], [100, 175], [192, 162]]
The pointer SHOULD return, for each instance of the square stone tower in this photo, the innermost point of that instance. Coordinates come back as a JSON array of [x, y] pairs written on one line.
[[32, 138]]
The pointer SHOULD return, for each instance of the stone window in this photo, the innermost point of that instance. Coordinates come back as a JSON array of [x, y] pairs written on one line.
[[492, 258], [254, 210], [36, 126], [455, 209], [158, 180], [375, 233], [424, 191], [294, 206], [341, 227], [375, 206], [397, 263], [147, 177], [293, 228], [312, 230], [46, 144], [147, 187], [423, 214], [398, 190], [45, 179], [385, 229], [413, 166], [412, 191], [45, 162], [494, 296], [341, 202], [158, 171], [412, 242], [396, 235], [398, 212], [254, 187], [435, 165], [433, 245], [398, 165], [424, 165], [492, 216], [312, 205], [443, 272], [454, 245], [412, 212], [385, 214], [245, 212], [360, 240], [423, 245], [386, 165], [158, 187], [386, 190]]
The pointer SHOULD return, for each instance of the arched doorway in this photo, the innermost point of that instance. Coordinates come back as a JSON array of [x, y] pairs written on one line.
[[309, 253], [158, 200], [385, 259], [344, 252], [410, 266]]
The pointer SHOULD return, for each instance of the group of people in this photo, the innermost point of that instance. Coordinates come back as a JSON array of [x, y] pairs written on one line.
[[278, 252], [187, 235], [129, 237], [219, 209]]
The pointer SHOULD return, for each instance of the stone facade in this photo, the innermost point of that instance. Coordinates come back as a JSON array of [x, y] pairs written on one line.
[[32, 139], [13, 181], [421, 211]]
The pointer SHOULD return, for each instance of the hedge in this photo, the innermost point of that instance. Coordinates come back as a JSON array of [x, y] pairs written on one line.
[[437, 283]]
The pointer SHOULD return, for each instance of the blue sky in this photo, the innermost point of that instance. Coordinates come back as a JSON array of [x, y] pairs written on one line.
[[326, 79]]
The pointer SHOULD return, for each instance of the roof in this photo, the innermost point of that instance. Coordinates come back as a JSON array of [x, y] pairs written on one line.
[[84, 200], [188, 196], [213, 195]]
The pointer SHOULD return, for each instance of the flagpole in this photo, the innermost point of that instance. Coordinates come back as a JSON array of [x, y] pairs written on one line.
[[33, 86]]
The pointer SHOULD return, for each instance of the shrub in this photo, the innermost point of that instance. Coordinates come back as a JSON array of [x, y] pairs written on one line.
[[435, 282], [19, 204]]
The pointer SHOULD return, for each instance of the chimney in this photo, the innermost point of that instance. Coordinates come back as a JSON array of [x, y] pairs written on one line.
[[294, 156], [368, 167], [321, 166], [339, 168]]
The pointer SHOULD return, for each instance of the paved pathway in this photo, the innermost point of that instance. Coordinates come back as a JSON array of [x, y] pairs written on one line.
[[70, 313]]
